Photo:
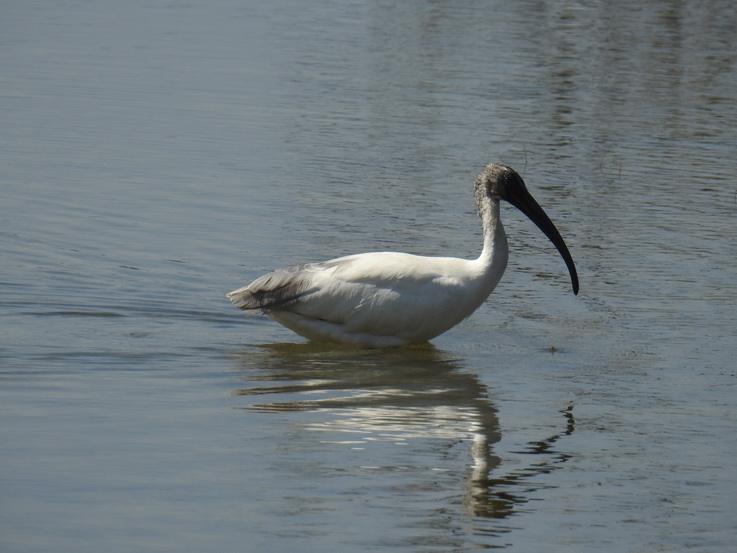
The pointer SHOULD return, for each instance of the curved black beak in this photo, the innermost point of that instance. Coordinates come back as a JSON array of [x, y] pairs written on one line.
[[520, 198]]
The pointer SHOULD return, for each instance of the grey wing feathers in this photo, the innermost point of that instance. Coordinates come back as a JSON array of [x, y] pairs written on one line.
[[276, 290]]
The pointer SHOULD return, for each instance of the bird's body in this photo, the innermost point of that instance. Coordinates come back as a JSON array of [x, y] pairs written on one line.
[[389, 298], [349, 299]]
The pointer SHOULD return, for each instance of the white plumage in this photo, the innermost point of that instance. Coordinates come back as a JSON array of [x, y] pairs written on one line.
[[389, 298]]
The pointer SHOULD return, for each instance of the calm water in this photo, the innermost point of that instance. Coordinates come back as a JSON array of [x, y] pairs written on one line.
[[156, 155]]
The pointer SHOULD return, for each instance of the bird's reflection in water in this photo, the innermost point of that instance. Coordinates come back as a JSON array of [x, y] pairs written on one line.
[[397, 395]]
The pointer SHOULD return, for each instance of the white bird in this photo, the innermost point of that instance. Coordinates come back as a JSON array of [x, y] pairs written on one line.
[[391, 299]]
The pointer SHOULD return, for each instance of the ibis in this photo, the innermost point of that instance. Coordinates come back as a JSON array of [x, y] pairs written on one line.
[[390, 298]]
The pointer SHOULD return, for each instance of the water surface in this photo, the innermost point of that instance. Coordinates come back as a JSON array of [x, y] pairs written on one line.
[[158, 155]]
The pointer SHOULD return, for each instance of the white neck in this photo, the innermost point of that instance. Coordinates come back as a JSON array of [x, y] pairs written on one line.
[[493, 258]]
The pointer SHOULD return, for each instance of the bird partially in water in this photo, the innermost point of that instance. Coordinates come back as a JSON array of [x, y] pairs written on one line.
[[391, 299]]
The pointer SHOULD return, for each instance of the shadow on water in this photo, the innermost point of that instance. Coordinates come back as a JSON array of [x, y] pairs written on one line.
[[401, 396]]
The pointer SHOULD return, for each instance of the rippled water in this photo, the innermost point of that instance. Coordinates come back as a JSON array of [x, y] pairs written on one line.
[[158, 155]]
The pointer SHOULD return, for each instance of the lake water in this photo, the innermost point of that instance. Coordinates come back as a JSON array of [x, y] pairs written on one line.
[[156, 155]]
